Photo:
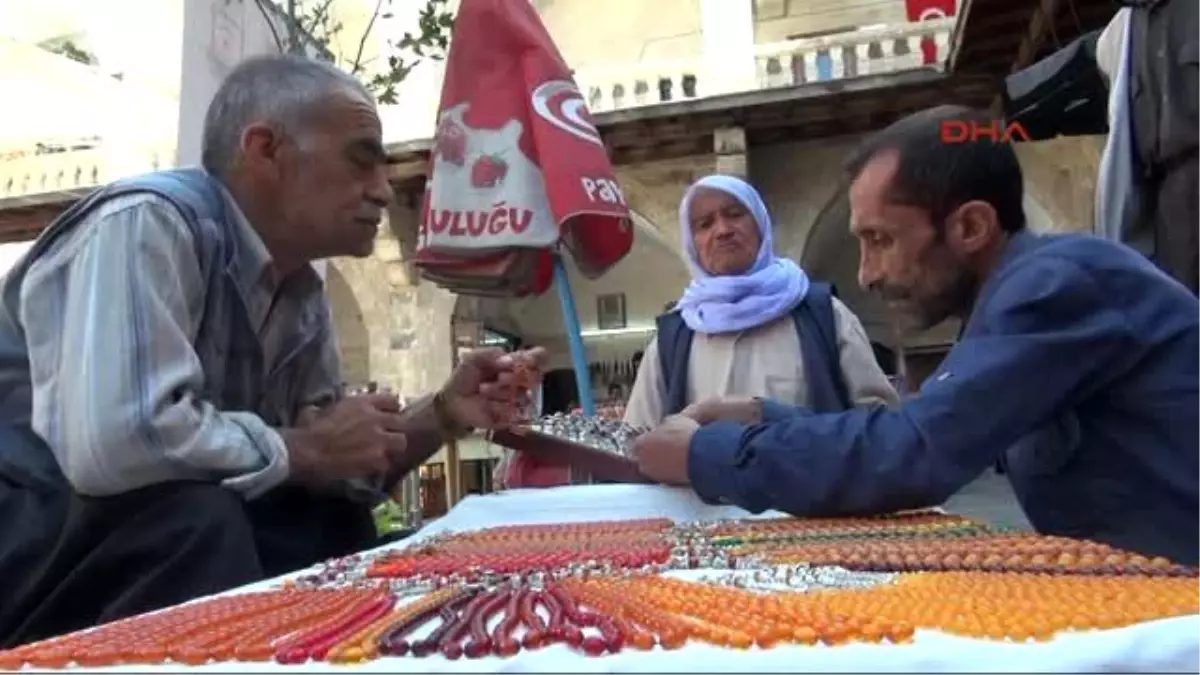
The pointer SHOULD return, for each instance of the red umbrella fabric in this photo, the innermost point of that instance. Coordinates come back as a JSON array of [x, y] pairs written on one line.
[[517, 165]]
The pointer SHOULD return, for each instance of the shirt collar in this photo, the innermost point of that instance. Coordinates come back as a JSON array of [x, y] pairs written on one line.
[[252, 260], [1016, 247]]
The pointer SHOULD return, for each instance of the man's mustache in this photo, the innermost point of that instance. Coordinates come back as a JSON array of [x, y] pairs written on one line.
[[372, 216]]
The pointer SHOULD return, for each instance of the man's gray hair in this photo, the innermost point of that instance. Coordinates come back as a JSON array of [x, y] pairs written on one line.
[[282, 90]]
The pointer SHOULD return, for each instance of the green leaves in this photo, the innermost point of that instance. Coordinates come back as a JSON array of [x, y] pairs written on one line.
[[430, 40]]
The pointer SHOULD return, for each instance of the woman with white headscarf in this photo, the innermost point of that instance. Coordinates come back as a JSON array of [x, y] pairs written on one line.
[[750, 324]]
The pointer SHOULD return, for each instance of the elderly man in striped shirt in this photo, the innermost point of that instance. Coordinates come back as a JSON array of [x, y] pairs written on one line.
[[171, 417]]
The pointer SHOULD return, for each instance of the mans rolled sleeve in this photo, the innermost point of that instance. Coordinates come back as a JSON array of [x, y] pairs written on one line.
[[270, 446], [111, 314]]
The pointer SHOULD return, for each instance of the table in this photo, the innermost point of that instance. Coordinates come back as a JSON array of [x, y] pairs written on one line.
[[1171, 645]]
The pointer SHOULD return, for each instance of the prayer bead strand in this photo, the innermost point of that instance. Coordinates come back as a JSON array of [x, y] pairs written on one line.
[[394, 640]]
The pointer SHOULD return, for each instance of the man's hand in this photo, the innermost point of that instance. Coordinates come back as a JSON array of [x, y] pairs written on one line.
[[489, 387], [662, 454], [356, 437], [740, 409]]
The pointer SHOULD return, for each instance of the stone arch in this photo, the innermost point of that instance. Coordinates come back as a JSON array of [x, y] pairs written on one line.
[[653, 190], [354, 340], [646, 231], [830, 254]]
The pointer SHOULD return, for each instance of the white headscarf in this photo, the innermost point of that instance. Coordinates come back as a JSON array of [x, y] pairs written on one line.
[[731, 303]]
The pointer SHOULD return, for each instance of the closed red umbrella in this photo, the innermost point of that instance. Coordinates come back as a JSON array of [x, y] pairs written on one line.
[[518, 174], [517, 165]]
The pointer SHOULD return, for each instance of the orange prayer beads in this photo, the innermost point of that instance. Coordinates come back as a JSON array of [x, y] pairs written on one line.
[[1016, 607], [989, 553], [775, 530]]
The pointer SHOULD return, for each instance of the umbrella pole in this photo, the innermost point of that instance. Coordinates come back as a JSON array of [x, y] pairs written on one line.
[[583, 379]]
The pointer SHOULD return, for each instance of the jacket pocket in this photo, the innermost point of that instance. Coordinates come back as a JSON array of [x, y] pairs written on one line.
[[784, 388]]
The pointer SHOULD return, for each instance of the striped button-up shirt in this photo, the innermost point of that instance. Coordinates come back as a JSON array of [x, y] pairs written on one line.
[[112, 316]]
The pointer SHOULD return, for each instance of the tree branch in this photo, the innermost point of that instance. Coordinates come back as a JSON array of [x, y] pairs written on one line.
[[430, 40], [270, 24], [362, 42], [318, 17]]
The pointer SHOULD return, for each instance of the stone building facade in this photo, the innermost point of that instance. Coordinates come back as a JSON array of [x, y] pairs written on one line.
[[396, 329]]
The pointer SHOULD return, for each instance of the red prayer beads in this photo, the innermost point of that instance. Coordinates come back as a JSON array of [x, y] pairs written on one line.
[[528, 549]]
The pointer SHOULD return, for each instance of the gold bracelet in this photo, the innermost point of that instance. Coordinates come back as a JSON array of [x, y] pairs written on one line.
[[448, 427]]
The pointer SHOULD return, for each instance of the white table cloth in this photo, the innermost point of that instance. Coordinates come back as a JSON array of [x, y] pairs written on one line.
[[1171, 645]]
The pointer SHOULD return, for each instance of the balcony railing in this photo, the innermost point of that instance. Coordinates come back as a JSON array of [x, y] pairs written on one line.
[[77, 169], [634, 85], [888, 49]]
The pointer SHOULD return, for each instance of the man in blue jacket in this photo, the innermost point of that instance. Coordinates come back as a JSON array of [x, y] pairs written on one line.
[[1077, 368]]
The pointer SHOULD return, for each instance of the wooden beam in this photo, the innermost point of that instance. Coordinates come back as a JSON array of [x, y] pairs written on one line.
[[956, 38], [1042, 20], [1039, 23], [402, 171], [26, 223]]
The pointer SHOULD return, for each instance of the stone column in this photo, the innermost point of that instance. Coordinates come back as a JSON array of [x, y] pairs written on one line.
[[727, 28], [217, 35]]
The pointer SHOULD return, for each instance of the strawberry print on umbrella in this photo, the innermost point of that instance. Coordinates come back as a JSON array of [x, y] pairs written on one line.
[[488, 171], [519, 175]]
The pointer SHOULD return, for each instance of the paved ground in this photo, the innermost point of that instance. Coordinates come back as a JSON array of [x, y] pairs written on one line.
[[991, 499]]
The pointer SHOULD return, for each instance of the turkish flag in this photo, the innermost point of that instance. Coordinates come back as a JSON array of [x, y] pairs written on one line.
[[517, 162], [928, 10], [924, 10]]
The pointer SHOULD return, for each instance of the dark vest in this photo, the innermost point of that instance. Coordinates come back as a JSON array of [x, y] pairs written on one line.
[[816, 326]]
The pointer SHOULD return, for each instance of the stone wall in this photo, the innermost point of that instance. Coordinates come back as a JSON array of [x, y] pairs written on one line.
[[391, 327], [1060, 176]]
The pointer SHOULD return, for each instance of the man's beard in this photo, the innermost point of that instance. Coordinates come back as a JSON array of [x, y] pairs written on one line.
[[916, 314]]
